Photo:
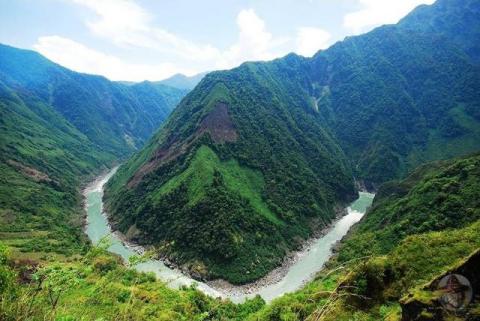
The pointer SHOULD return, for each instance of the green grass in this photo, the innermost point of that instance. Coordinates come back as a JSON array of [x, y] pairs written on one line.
[[106, 289], [384, 279], [440, 147], [419, 258], [99, 287], [198, 176]]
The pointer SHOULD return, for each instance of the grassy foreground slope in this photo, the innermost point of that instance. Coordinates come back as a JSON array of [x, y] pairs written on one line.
[[98, 287], [374, 106]]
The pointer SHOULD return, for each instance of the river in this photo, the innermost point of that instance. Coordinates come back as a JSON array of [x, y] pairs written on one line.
[[306, 264]]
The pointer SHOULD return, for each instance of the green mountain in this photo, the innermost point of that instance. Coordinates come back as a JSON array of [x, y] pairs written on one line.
[[254, 159], [455, 23], [403, 95], [181, 81], [42, 158], [58, 127], [233, 183], [116, 117]]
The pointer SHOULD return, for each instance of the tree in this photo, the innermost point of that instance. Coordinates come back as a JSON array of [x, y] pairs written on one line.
[[55, 280]]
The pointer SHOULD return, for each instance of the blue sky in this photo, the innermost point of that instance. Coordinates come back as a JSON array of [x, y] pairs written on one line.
[[146, 39]]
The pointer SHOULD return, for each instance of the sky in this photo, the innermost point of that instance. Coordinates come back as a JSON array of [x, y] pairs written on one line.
[[138, 40]]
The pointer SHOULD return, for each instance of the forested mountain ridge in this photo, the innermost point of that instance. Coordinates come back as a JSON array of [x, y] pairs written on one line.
[[43, 159], [272, 146], [58, 128], [396, 99], [456, 23], [116, 117], [404, 94]]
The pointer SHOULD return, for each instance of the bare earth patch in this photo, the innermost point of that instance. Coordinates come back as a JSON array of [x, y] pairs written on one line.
[[31, 172], [217, 124]]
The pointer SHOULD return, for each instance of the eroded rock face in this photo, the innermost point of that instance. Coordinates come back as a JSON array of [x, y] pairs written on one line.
[[30, 172], [425, 303], [217, 124]]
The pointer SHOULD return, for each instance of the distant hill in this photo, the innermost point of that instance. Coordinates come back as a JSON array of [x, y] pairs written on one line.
[[255, 158], [183, 82]]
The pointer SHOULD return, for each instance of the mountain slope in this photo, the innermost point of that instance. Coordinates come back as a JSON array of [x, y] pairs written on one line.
[[42, 159], [435, 197], [395, 99], [457, 23], [280, 141], [116, 117]]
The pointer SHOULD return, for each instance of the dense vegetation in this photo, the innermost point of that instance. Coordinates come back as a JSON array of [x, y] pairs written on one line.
[[57, 129], [378, 287], [42, 158], [385, 263], [396, 99], [99, 287], [252, 162], [435, 197], [375, 106]]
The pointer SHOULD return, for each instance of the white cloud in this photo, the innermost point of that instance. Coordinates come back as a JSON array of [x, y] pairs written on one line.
[[78, 57], [310, 40], [378, 12], [125, 23], [128, 26], [118, 20], [254, 42]]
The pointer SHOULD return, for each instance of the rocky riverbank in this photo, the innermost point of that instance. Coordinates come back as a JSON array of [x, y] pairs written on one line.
[[277, 274]]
